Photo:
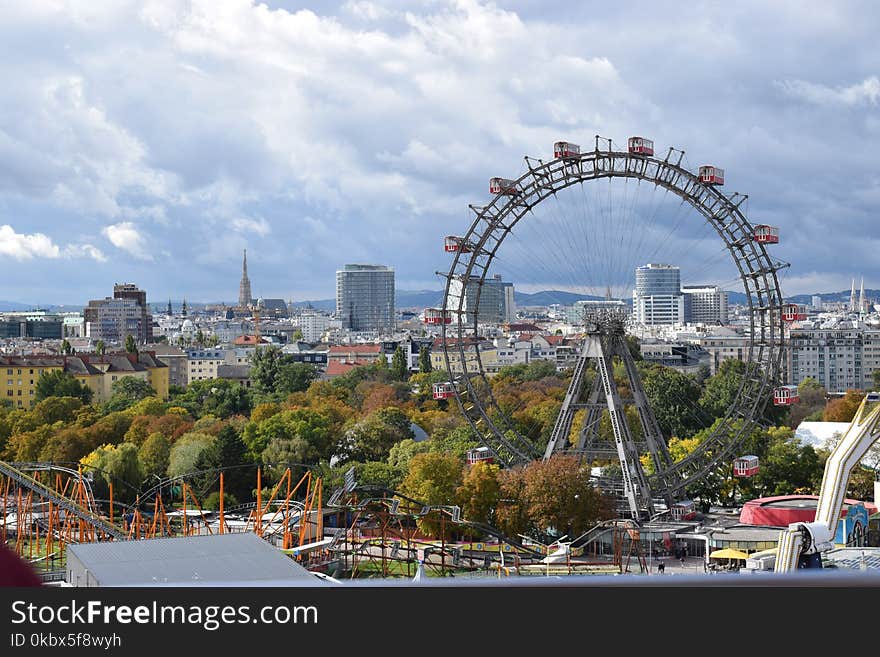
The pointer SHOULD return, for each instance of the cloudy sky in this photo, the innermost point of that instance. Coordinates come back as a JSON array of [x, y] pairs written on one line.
[[151, 141]]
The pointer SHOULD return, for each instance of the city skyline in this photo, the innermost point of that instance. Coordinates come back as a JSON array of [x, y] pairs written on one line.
[[104, 180]]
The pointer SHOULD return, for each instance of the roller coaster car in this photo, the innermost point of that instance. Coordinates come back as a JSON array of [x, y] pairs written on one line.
[[641, 146], [711, 175], [566, 149]]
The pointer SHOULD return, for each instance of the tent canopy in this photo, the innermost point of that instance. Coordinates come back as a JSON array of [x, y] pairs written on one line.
[[728, 553]]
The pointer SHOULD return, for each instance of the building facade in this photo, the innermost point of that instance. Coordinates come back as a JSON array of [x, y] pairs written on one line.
[[244, 286], [113, 319], [493, 301], [97, 371], [657, 298], [835, 357], [365, 297], [704, 304], [202, 364]]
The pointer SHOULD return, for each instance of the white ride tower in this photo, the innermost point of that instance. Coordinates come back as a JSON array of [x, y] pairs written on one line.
[[802, 544]]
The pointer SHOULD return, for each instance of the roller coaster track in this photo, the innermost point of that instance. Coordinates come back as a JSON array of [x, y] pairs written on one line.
[[425, 509], [68, 505]]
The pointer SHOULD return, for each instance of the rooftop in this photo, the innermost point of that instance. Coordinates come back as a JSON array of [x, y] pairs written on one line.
[[225, 559]]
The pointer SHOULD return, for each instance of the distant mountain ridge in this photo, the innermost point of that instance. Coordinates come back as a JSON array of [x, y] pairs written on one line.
[[419, 299]]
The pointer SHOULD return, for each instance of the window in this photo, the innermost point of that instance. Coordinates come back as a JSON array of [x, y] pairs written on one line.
[[19, 393], [32, 371], [31, 393], [9, 382], [9, 371], [19, 371], [9, 393]]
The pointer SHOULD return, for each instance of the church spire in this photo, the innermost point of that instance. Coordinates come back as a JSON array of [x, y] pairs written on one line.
[[862, 297], [244, 287]]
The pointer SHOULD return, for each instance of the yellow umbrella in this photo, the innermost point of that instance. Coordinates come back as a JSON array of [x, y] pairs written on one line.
[[728, 553]]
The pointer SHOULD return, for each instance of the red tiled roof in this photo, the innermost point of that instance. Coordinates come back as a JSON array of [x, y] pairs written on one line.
[[249, 339], [517, 328], [340, 367], [554, 339]]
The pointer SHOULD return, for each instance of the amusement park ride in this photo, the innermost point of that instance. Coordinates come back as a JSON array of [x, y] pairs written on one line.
[[638, 494], [53, 508]]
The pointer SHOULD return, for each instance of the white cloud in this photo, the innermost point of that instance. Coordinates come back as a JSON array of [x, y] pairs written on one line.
[[865, 92], [37, 245], [125, 236], [247, 225]]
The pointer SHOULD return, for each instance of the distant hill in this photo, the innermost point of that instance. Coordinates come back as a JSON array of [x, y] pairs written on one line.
[[549, 297]]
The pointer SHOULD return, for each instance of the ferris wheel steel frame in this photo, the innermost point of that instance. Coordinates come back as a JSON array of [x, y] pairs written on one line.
[[496, 220]]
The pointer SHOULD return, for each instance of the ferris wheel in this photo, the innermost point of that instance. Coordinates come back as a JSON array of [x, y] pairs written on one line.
[[586, 217]]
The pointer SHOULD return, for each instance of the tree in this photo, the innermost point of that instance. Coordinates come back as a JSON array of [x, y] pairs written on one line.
[[294, 377], [200, 337], [154, 455], [721, 389], [560, 497], [100, 347], [876, 377], [119, 465], [190, 453], [425, 365], [58, 383], [212, 502], [844, 408], [787, 466], [56, 409], [218, 397], [127, 391], [66, 348], [310, 428], [812, 400], [276, 373], [297, 335], [371, 438], [399, 366], [130, 344], [479, 492], [674, 397], [432, 479], [230, 451]]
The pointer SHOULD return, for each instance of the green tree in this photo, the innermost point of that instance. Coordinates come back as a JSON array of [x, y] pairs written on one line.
[[130, 344], [190, 453], [100, 347], [217, 397], [118, 464], [230, 451], [722, 388], [425, 365], [399, 366], [154, 455], [297, 336], [294, 377], [56, 409], [66, 348], [200, 337], [127, 391], [57, 383], [876, 377], [674, 397], [311, 430], [212, 501], [378, 473], [812, 400], [433, 479], [371, 438], [787, 466]]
